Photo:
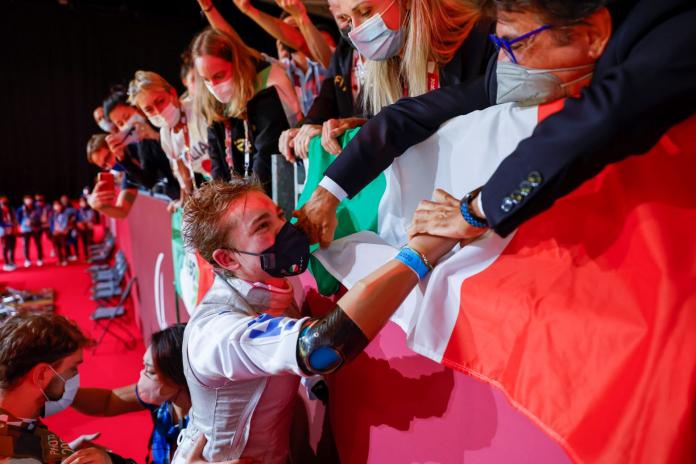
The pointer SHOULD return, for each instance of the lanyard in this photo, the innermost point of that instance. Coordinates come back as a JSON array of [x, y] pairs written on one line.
[[433, 78], [247, 148]]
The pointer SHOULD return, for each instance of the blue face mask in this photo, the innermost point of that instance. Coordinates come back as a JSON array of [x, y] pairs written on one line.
[[374, 40]]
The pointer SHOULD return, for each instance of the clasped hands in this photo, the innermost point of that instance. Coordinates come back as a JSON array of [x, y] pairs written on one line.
[[440, 217]]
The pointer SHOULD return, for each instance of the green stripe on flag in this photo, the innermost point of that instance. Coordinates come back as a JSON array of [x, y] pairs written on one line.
[[178, 250], [354, 215]]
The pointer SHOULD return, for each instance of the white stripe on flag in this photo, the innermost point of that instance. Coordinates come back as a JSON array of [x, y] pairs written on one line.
[[461, 156]]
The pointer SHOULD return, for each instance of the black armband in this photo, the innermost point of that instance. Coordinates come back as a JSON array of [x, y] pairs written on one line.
[[326, 343]]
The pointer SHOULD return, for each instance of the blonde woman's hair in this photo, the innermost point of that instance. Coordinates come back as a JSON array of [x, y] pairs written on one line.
[[146, 80], [434, 31], [217, 43]]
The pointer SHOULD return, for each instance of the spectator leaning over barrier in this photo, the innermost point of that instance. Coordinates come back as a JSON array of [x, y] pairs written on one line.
[[158, 100], [643, 54], [248, 341], [296, 34], [270, 73], [338, 96], [411, 48], [102, 121], [137, 147], [245, 114], [39, 355], [104, 197]]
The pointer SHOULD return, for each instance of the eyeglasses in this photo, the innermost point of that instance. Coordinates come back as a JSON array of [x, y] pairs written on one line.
[[506, 45]]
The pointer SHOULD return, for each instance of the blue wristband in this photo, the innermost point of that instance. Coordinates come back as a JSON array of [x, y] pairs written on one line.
[[465, 209], [414, 261]]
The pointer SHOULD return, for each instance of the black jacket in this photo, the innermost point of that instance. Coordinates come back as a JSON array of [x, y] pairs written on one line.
[[267, 120], [644, 83], [335, 100], [146, 165]]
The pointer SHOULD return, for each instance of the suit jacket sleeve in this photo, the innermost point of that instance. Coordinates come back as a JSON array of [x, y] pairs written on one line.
[[398, 127], [641, 88]]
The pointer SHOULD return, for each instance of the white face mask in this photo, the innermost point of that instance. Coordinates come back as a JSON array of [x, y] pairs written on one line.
[[133, 120], [527, 86], [105, 125], [151, 391], [222, 91], [374, 40], [169, 117], [72, 385]]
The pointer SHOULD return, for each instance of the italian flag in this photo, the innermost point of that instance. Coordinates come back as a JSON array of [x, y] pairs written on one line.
[[585, 317]]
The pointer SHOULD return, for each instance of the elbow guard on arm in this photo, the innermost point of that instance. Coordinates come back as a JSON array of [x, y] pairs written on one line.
[[325, 344]]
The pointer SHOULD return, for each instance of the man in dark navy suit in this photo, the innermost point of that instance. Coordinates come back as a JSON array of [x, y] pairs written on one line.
[[644, 83]]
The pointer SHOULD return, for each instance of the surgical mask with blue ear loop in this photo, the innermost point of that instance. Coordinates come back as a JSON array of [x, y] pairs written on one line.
[[72, 385], [374, 40], [529, 86]]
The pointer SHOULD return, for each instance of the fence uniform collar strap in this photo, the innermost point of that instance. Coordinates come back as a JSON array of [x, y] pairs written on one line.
[[266, 298]]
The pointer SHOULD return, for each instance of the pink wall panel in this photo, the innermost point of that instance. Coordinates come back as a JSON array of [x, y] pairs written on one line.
[[393, 406]]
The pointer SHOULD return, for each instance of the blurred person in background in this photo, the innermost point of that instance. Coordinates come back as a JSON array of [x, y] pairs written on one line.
[[8, 231], [299, 34], [29, 220], [46, 213], [71, 239], [86, 218], [305, 73], [60, 229]]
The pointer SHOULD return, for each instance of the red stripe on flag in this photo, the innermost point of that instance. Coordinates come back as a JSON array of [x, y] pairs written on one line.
[[587, 320], [206, 276]]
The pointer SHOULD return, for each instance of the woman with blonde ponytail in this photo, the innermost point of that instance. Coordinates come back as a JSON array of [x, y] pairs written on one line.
[[415, 46]]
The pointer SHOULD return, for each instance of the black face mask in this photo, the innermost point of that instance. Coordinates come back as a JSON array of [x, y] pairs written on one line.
[[288, 256]]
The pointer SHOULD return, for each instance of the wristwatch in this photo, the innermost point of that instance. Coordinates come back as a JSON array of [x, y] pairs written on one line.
[[467, 212]]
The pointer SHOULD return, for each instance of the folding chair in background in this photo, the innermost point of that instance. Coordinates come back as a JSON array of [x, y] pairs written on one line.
[[107, 318]]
